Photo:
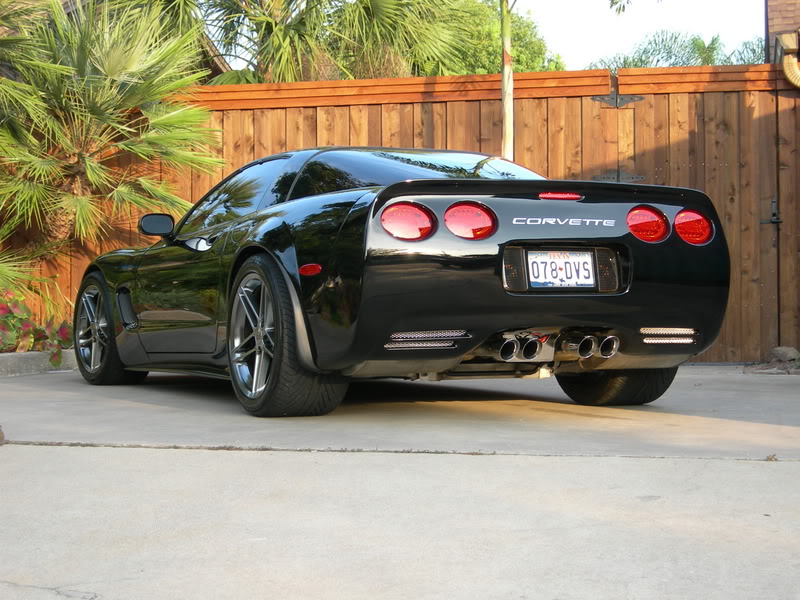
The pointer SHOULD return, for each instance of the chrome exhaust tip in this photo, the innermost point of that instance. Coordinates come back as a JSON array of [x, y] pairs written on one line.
[[580, 347], [530, 349], [507, 350], [609, 346]]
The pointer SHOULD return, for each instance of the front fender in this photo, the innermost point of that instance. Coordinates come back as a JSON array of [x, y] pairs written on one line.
[[118, 269]]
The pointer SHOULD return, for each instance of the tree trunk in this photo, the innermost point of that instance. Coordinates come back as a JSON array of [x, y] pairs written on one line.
[[508, 82], [57, 230]]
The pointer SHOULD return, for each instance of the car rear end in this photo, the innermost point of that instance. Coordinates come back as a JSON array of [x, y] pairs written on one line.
[[501, 278]]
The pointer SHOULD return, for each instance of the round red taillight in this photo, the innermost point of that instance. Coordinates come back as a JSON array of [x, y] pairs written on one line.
[[470, 220], [408, 221], [648, 224], [693, 227]]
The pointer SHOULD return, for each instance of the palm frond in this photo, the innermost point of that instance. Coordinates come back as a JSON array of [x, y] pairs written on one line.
[[104, 80]]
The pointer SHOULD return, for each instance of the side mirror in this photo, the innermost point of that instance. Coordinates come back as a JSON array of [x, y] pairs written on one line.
[[157, 224]]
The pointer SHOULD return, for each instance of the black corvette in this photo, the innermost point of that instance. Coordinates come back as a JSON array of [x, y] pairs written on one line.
[[304, 270]]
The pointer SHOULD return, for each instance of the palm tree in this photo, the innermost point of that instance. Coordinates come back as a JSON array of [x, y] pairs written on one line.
[[276, 39], [294, 40], [675, 49], [395, 38], [17, 99], [106, 77], [712, 53]]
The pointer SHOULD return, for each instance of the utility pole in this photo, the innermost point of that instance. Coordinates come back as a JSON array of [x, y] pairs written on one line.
[[507, 92]]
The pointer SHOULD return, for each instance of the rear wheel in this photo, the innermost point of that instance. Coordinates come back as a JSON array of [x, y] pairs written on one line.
[[617, 388], [95, 345], [262, 349]]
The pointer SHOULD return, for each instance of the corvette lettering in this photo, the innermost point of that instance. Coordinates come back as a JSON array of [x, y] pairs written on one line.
[[557, 221]]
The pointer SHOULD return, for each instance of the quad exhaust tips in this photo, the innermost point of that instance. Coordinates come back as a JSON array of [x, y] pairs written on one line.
[[568, 348]]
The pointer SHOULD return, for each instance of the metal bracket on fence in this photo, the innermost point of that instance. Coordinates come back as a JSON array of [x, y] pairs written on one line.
[[776, 214], [618, 175], [616, 99]]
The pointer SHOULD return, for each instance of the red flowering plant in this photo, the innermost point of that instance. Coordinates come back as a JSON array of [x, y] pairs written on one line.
[[19, 333]]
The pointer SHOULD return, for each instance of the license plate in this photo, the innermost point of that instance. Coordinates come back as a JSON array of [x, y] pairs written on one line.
[[561, 268]]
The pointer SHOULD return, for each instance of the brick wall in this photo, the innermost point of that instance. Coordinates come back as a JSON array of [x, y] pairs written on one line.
[[783, 16]]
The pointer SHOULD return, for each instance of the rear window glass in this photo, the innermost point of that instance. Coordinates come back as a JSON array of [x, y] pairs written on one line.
[[351, 169]]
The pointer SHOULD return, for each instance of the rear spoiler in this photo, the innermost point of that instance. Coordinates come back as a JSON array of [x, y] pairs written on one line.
[[593, 191]]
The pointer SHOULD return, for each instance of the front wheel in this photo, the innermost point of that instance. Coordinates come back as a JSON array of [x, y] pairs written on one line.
[[95, 346], [617, 388], [267, 376]]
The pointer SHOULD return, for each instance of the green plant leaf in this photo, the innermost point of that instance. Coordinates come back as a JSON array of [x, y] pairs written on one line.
[[64, 334], [56, 356], [27, 327], [24, 343], [8, 340], [18, 309]]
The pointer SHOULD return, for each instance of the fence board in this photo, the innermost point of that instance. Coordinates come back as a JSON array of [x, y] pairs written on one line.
[[269, 132], [626, 143], [301, 128], [730, 172], [490, 130], [397, 125], [237, 147], [661, 144], [714, 186], [766, 123], [788, 182], [365, 125], [697, 141], [600, 148], [202, 182], [419, 133], [530, 134], [644, 138], [678, 142], [750, 246]]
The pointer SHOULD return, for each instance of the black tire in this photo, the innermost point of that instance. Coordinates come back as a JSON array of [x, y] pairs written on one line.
[[617, 388], [111, 370], [290, 390]]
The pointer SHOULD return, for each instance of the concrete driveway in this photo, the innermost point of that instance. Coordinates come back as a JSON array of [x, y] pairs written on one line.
[[486, 489]]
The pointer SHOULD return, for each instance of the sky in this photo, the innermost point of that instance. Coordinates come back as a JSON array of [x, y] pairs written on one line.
[[582, 31]]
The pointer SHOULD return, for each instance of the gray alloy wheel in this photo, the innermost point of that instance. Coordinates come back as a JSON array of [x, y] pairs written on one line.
[[267, 374], [252, 335], [91, 330]]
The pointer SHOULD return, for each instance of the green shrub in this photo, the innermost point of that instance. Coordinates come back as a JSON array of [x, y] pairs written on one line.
[[19, 333]]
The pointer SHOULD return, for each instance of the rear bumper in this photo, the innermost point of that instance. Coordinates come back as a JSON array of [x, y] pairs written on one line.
[[409, 294]]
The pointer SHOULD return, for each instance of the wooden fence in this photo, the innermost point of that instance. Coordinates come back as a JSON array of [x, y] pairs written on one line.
[[730, 131]]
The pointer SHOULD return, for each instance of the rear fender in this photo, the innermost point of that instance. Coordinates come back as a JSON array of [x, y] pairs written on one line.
[[292, 234]]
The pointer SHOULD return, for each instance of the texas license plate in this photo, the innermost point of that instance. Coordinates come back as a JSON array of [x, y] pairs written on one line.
[[561, 268]]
